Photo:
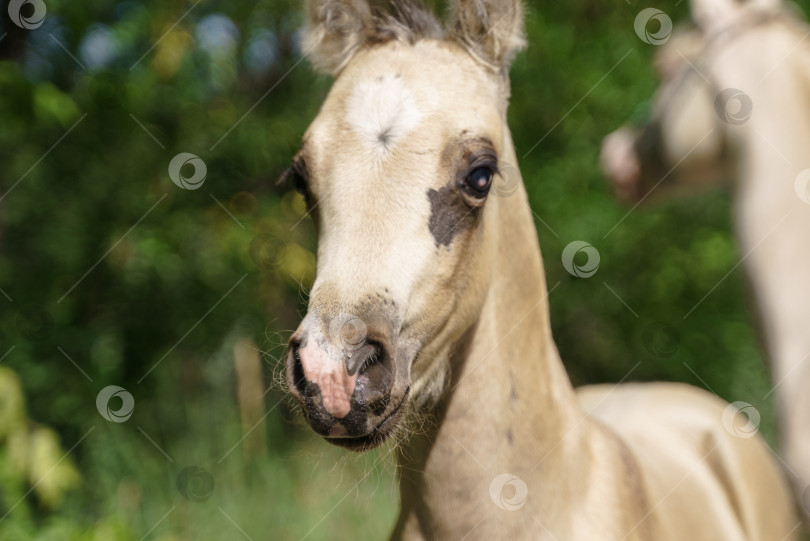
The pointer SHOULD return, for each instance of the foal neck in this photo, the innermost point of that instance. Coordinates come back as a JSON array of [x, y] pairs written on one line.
[[509, 407]]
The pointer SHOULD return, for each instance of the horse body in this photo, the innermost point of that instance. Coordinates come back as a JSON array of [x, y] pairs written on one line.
[[761, 156], [772, 221], [443, 281], [691, 464]]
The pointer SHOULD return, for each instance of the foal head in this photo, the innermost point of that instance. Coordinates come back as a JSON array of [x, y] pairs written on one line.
[[709, 75], [397, 170]]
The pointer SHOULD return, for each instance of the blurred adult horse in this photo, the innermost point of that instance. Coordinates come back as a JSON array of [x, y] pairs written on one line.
[[430, 306], [734, 108]]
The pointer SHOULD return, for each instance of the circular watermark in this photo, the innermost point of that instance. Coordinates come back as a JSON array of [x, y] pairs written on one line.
[[661, 339], [801, 185], [733, 106], [180, 162], [342, 19], [586, 269], [643, 22], [34, 321], [508, 492], [195, 484], [28, 14], [507, 180], [741, 419], [244, 203], [123, 413], [348, 330], [267, 251]]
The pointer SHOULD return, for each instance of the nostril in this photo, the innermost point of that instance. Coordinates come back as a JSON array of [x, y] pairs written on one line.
[[299, 382], [372, 359], [358, 362], [375, 374]]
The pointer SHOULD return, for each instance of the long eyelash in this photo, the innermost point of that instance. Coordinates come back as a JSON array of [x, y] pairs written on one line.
[[489, 162]]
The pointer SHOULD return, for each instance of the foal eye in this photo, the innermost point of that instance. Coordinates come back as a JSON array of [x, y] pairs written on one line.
[[479, 181]]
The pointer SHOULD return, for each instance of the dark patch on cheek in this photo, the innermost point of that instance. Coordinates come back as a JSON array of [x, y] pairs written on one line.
[[449, 215], [509, 436]]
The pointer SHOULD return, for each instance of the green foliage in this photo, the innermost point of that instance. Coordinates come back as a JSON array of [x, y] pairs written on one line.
[[112, 275]]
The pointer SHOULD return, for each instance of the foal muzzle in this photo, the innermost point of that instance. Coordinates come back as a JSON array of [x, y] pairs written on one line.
[[345, 372]]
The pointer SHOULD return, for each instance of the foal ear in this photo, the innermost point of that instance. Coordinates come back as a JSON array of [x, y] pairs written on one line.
[[334, 30], [491, 30]]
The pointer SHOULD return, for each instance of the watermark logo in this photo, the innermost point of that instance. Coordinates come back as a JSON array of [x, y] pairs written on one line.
[[506, 182], [35, 322], [661, 339], [342, 19], [645, 19], [28, 14], [267, 251], [586, 269], [123, 413], [733, 106], [195, 484], [180, 162], [801, 185], [508, 492], [349, 331], [741, 419]]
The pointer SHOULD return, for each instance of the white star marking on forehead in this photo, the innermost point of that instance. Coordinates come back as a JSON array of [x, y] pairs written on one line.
[[382, 111]]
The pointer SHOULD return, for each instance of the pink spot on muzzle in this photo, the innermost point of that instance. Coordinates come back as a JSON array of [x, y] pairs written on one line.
[[331, 376]]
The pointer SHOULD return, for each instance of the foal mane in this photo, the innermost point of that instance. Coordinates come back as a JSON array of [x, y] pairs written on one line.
[[404, 20], [336, 29], [490, 30]]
